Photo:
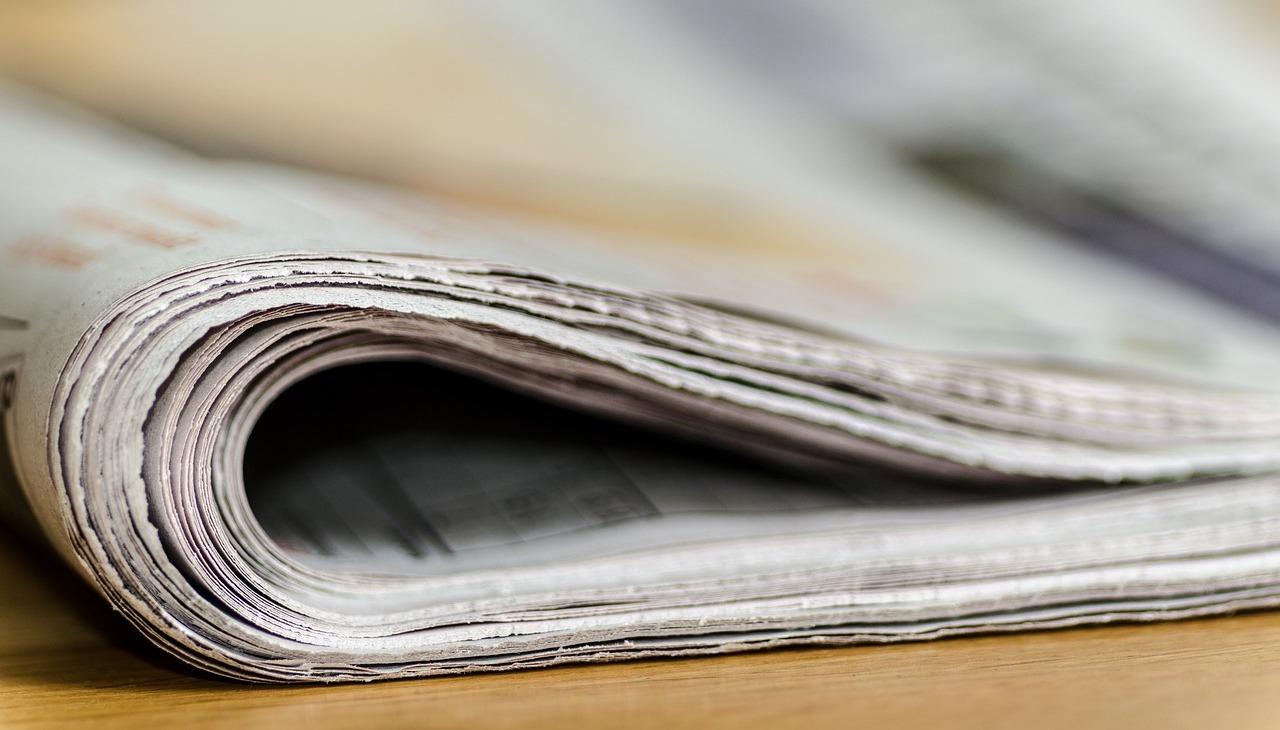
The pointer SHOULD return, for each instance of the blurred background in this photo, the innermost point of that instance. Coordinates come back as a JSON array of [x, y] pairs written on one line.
[[1148, 129]]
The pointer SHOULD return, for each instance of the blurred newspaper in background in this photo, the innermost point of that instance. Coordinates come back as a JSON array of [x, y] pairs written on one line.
[[1145, 129], [983, 289], [988, 132]]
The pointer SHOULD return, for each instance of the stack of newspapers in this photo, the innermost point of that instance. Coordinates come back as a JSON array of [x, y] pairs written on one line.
[[297, 427]]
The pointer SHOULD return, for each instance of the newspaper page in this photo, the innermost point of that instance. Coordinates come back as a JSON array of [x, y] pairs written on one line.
[[430, 495]]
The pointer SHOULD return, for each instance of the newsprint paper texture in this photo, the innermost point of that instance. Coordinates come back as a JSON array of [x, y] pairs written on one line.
[[299, 428]]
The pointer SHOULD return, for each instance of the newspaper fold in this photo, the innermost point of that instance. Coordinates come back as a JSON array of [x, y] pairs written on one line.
[[203, 411]]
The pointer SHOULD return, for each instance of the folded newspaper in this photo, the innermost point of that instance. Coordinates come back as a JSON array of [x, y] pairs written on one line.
[[301, 428]]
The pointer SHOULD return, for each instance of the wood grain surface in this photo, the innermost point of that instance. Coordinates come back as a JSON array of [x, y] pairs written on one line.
[[66, 660]]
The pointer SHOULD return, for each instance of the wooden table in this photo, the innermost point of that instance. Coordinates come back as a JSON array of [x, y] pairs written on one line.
[[65, 659]]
